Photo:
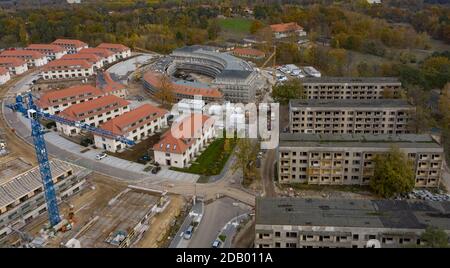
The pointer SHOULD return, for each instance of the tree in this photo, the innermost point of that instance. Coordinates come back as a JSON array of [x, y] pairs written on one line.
[[246, 154], [256, 26], [434, 237], [292, 89], [213, 30], [165, 93], [393, 174]]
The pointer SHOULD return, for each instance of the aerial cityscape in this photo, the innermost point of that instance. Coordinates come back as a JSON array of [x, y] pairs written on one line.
[[260, 124]]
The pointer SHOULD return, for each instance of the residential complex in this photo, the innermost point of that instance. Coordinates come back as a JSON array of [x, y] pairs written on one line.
[[71, 45], [106, 55], [14, 65], [4, 75], [135, 125], [93, 59], [339, 223], [193, 133], [344, 159], [120, 51], [283, 30], [33, 58], [379, 116], [52, 52], [67, 69], [94, 113], [22, 196], [335, 88]]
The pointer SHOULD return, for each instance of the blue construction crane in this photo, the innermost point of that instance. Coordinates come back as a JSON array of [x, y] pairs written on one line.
[[31, 111]]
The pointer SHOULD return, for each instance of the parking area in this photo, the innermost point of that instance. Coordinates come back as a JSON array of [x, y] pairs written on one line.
[[424, 194]]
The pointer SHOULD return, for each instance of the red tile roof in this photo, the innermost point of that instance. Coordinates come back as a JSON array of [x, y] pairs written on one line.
[[3, 71], [154, 79], [249, 52], [170, 144], [121, 125], [67, 64], [111, 85], [78, 92], [70, 42], [80, 111], [45, 47], [285, 27], [113, 47], [11, 62], [22, 53], [102, 52], [92, 58]]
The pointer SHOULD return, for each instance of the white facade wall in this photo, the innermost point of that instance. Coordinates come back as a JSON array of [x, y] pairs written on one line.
[[67, 74], [55, 109], [4, 78], [38, 62]]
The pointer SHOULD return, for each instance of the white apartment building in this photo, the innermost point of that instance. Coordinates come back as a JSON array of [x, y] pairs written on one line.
[[340, 88], [71, 45], [14, 65], [344, 159], [33, 58], [4, 75], [136, 125], [52, 52], [120, 51], [91, 58], [284, 30], [106, 55], [93, 112], [67, 69], [196, 131], [55, 101], [379, 116]]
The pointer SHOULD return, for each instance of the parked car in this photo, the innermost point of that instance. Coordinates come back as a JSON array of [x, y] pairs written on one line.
[[188, 232], [100, 156], [156, 169], [217, 243]]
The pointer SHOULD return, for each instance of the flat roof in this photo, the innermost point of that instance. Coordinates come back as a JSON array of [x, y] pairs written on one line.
[[405, 214], [351, 80], [357, 140], [385, 103]]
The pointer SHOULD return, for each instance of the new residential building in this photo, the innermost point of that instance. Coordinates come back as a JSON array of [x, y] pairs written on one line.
[[283, 30], [72, 46], [52, 52], [339, 223], [343, 159], [14, 65], [4, 75], [336, 88], [67, 69], [55, 101], [93, 112], [33, 58], [192, 133], [379, 116], [120, 51], [106, 55], [136, 125], [91, 58]]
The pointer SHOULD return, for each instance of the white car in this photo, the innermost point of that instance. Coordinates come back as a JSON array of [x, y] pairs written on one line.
[[100, 156]]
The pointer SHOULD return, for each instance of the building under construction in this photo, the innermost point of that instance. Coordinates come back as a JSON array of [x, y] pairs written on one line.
[[22, 196]]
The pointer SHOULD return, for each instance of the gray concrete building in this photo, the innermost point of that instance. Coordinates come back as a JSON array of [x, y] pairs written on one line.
[[355, 88], [22, 197], [321, 223], [378, 116], [345, 159]]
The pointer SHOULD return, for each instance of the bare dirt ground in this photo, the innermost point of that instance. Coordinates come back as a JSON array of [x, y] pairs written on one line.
[[161, 223], [246, 236], [326, 192]]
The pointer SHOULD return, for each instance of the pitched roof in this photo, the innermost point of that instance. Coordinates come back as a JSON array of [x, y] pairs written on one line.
[[92, 58], [12, 62], [285, 27], [67, 64], [121, 125], [114, 47], [153, 79], [103, 52], [3, 71], [248, 51], [45, 47], [73, 42], [171, 144], [79, 92], [110, 85], [22, 53], [80, 111]]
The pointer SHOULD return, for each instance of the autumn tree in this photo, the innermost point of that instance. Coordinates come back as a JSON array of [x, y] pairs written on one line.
[[213, 30], [292, 89], [435, 237], [165, 92], [256, 26], [393, 174], [246, 154]]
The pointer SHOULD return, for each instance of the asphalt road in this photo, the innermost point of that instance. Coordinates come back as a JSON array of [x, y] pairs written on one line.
[[178, 241]]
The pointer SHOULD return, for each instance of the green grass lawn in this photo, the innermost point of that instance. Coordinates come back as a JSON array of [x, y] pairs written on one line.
[[238, 25], [212, 160]]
